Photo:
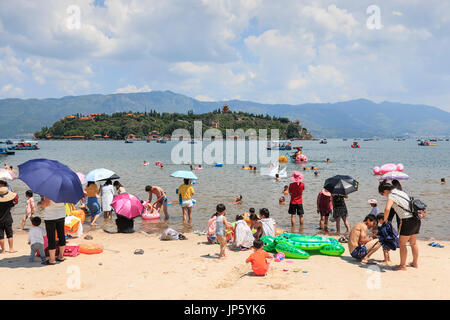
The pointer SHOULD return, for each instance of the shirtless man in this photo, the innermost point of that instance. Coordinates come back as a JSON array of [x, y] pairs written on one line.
[[358, 239], [161, 198]]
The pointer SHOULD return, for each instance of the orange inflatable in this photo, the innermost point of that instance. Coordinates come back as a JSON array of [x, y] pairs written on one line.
[[91, 248], [278, 231], [70, 211]]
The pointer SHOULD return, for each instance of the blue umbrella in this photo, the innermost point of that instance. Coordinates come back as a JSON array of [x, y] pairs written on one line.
[[101, 174], [51, 179], [184, 175]]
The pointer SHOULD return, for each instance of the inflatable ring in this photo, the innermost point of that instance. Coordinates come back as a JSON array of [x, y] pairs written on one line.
[[91, 248], [151, 216]]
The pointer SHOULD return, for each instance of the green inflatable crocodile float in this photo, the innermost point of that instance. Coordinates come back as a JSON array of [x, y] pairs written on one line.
[[300, 246]]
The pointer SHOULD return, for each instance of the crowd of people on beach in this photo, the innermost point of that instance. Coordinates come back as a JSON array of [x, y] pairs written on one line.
[[244, 233]]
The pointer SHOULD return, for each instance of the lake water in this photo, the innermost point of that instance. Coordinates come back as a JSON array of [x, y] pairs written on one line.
[[425, 165]]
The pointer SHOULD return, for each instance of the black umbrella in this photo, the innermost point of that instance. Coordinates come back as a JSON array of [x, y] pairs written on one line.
[[341, 185]]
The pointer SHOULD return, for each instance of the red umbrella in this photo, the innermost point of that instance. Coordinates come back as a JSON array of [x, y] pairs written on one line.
[[127, 205]]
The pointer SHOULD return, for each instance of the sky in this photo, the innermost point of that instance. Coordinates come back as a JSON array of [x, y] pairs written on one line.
[[260, 50]]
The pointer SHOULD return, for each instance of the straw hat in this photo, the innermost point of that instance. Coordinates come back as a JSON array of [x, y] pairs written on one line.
[[6, 195], [372, 201], [297, 177]]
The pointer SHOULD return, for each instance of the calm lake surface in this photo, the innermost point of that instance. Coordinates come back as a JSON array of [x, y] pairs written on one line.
[[425, 166]]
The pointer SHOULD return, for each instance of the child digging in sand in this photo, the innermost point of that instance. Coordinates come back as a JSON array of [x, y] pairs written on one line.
[[221, 228], [258, 259]]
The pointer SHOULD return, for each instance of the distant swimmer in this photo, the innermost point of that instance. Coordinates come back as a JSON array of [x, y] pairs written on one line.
[[145, 163], [442, 180], [316, 173], [328, 160]]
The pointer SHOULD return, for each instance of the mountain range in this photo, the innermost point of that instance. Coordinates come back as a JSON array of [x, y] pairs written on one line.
[[356, 118]]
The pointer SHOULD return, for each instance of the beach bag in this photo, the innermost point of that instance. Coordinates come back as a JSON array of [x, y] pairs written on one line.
[[169, 234], [72, 251], [416, 207]]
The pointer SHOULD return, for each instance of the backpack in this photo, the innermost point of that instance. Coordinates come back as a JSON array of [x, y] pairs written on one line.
[[416, 207]]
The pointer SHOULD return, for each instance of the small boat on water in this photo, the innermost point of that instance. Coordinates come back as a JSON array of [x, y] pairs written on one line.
[[161, 141], [426, 143], [24, 146], [5, 152], [355, 145], [323, 141], [279, 145], [129, 141]]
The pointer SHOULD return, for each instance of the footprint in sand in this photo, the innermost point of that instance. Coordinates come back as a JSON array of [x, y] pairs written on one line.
[[236, 273], [47, 293]]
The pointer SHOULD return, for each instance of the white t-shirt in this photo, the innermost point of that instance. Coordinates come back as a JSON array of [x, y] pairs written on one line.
[[55, 211], [401, 201], [268, 227], [36, 235]]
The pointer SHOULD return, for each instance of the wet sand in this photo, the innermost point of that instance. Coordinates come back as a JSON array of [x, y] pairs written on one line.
[[189, 269]]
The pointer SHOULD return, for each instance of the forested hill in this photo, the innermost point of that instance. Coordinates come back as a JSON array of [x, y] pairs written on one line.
[[142, 124]]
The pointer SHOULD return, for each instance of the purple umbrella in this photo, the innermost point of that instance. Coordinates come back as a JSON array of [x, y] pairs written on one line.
[[51, 179], [127, 205]]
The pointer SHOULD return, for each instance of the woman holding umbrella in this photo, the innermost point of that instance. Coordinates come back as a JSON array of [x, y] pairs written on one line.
[[54, 217], [340, 186], [92, 203], [107, 194], [186, 191]]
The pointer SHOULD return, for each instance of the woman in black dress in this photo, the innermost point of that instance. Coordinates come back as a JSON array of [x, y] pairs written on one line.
[[340, 211]]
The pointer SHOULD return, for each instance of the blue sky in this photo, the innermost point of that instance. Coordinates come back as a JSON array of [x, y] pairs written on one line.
[[260, 50]]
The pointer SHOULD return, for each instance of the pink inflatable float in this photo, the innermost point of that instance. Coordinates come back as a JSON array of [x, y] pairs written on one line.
[[301, 158], [388, 167]]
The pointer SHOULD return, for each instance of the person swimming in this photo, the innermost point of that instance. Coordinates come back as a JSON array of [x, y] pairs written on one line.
[[442, 180]]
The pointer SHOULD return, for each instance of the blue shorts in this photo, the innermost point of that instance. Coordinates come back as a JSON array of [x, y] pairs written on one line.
[[93, 206], [359, 252]]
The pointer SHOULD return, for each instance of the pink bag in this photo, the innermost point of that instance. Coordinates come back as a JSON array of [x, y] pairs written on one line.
[[72, 251]]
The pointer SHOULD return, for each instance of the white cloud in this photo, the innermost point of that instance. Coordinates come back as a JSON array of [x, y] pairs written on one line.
[[131, 88], [203, 97], [9, 91]]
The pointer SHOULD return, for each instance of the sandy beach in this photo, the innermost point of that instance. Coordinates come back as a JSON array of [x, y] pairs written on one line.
[[189, 269]]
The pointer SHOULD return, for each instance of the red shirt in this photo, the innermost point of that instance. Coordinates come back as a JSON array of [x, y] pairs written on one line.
[[259, 262], [296, 191]]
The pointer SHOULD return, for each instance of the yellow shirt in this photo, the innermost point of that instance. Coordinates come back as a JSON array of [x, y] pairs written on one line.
[[92, 190], [186, 191]]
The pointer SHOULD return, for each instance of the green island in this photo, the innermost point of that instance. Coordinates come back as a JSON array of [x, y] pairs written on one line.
[[148, 125]]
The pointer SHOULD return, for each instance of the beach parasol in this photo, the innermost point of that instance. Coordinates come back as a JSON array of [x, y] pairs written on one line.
[[82, 177], [341, 185], [100, 175], [394, 175], [183, 174], [127, 205], [51, 179], [7, 175]]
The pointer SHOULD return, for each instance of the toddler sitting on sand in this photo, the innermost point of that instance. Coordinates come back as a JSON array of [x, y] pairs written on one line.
[[36, 239], [258, 259]]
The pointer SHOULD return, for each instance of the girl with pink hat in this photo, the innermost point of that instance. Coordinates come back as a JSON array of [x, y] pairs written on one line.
[[296, 192]]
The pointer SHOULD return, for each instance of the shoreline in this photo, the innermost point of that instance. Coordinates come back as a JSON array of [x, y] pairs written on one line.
[[189, 269]]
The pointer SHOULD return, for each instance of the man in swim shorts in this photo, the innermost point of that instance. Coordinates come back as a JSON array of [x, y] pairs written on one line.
[[161, 198], [359, 245]]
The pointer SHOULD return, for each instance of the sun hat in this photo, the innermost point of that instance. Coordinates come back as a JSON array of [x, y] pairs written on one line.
[[372, 201], [6, 195], [296, 177]]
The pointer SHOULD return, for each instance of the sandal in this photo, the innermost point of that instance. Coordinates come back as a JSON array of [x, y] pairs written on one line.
[[48, 263], [60, 260], [343, 240]]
